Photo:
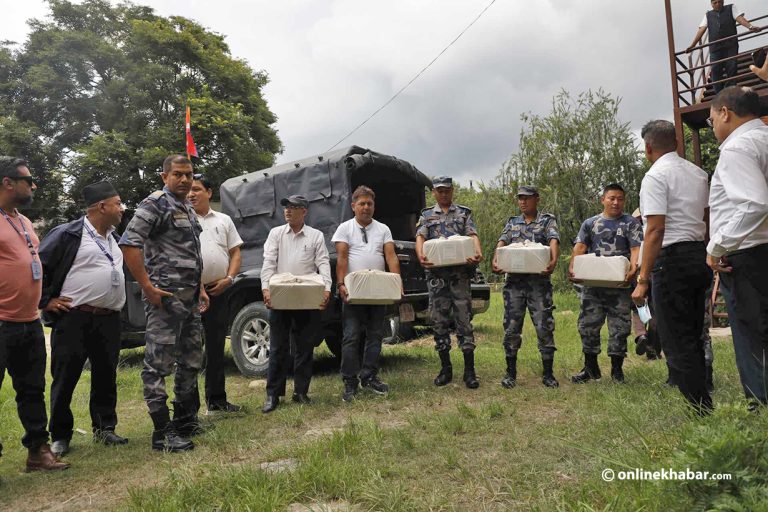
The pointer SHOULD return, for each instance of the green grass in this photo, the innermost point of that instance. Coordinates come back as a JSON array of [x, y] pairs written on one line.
[[422, 447]]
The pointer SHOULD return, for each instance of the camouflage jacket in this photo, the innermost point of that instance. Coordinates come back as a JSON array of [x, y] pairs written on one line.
[[169, 233], [542, 229], [610, 237], [433, 223]]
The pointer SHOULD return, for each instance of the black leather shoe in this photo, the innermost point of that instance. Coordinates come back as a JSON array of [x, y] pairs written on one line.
[[169, 441], [301, 398], [59, 448], [270, 404], [108, 438], [225, 407]]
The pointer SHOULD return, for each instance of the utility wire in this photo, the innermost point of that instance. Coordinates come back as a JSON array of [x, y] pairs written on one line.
[[390, 100]]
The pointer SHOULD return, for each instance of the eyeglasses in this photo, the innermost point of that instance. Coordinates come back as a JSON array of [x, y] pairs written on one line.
[[198, 176], [365, 235], [710, 123], [31, 180]]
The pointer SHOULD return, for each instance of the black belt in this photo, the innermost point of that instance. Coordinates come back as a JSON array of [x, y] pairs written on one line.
[[680, 246], [85, 308]]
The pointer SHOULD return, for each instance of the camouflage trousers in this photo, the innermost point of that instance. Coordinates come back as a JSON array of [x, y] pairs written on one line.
[[533, 293], [173, 338], [596, 305], [450, 301]]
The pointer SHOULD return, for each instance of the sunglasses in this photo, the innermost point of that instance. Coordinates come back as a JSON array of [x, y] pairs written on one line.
[[198, 176], [31, 180]]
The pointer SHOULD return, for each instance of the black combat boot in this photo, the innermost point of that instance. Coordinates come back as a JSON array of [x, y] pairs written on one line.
[[185, 421], [591, 370], [164, 437], [470, 379], [510, 379], [617, 374], [710, 381], [446, 372], [547, 377]]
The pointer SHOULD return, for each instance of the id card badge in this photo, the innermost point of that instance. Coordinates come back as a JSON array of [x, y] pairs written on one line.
[[37, 271], [115, 278]]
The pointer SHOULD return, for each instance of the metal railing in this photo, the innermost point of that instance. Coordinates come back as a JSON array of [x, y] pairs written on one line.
[[696, 70]]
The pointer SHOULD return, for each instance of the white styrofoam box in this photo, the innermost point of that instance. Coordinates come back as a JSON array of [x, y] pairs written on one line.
[[287, 291], [446, 252], [523, 258], [373, 287], [600, 271]]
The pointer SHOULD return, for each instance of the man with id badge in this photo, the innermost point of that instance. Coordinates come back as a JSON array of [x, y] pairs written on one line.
[[22, 342], [165, 229], [83, 293]]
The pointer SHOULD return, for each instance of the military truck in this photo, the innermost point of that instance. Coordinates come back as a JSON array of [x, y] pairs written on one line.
[[327, 181]]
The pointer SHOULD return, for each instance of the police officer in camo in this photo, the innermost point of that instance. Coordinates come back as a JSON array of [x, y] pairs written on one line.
[[166, 229], [530, 291], [611, 233], [450, 295]]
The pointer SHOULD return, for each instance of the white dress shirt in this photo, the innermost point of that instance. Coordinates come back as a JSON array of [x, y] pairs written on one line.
[[89, 280], [362, 255], [298, 253], [219, 236], [677, 189], [738, 199]]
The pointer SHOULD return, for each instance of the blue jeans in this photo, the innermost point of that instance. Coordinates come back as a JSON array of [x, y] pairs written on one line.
[[359, 321], [22, 352], [746, 296]]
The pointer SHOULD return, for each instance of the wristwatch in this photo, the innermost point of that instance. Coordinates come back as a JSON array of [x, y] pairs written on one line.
[[231, 279], [642, 280]]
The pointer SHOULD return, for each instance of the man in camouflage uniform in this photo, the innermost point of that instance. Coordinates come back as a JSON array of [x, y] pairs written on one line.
[[166, 229], [530, 291], [612, 233], [450, 295]]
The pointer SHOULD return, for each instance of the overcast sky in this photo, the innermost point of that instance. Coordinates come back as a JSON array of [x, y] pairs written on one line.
[[333, 62]]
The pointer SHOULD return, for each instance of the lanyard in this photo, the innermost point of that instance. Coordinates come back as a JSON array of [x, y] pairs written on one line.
[[103, 249], [23, 228]]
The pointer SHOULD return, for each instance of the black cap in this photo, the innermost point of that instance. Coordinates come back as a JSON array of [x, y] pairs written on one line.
[[98, 191], [296, 201], [442, 181], [527, 190]]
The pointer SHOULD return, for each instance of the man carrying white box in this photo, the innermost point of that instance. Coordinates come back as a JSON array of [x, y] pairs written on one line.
[[532, 291], [611, 234], [300, 250], [450, 295], [363, 243]]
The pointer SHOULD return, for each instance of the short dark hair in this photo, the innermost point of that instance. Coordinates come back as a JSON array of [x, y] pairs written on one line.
[[202, 178], [9, 166], [612, 186], [742, 101], [660, 135], [362, 190], [175, 159]]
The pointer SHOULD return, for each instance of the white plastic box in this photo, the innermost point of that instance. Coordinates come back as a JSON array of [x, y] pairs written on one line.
[[447, 252], [523, 258], [373, 287], [600, 271], [288, 291]]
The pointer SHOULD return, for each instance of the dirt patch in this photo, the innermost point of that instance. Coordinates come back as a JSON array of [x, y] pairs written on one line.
[[331, 506], [279, 466]]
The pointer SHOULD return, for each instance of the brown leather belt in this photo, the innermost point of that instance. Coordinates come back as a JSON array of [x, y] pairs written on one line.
[[85, 308]]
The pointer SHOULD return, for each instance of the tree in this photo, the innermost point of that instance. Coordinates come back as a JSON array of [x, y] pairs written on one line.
[[571, 154], [99, 92]]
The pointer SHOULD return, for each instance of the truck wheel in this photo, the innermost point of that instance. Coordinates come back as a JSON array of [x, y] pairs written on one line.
[[250, 340]]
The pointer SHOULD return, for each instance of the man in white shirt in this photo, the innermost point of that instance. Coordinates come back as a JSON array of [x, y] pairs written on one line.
[[673, 201], [83, 293], [299, 249], [738, 248], [362, 243], [220, 248]]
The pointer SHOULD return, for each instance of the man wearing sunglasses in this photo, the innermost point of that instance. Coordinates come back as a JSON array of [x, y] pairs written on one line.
[[738, 247], [22, 342], [83, 293]]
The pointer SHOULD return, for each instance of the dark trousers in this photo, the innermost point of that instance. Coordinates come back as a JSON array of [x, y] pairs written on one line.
[[22, 352], [680, 280], [295, 330], [746, 296], [362, 324], [723, 70], [76, 337], [215, 330]]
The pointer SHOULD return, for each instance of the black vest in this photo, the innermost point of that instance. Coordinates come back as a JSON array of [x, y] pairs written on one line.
[[721, 25]]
